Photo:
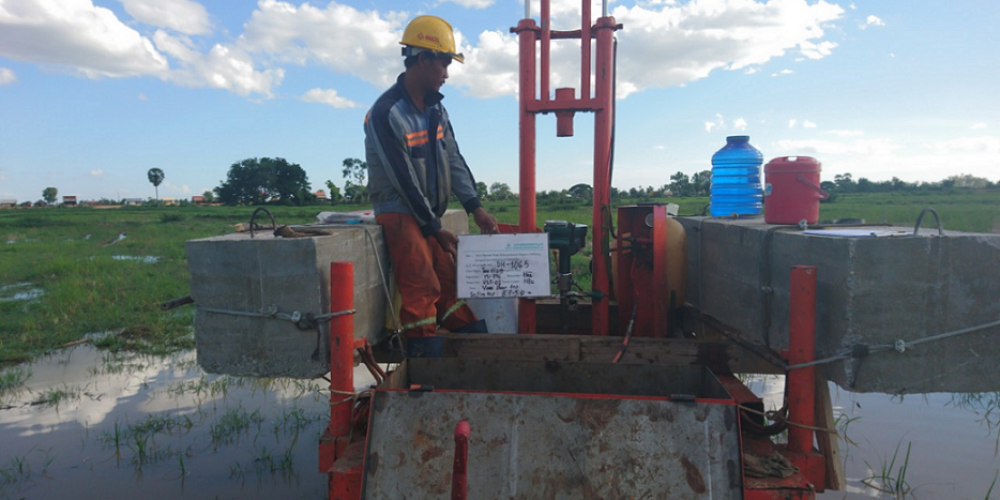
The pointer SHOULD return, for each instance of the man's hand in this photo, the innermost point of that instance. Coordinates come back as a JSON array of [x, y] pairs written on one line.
[[448, 242], [486, 222]]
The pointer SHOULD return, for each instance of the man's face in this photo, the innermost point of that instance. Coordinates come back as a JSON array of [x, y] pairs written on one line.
[[435, 71]]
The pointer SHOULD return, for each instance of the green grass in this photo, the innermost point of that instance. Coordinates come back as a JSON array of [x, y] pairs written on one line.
[[79, 288], [888, 478]]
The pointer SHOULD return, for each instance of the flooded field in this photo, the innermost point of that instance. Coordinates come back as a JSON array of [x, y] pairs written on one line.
[[83, 423]]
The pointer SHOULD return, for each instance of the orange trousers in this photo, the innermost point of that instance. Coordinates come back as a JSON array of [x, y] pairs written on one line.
[[425, 276]]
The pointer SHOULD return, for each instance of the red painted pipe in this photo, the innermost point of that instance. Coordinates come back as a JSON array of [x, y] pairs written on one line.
[[802, 349], [585, 21], [341, 347], [603, 80], [459, 477], [526, 32], [546, 23]]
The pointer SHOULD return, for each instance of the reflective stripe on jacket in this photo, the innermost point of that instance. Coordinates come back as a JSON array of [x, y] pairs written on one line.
[[396, 147]]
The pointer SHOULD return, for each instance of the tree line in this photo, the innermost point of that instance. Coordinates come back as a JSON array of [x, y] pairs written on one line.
[[260, 181], [268, 187]]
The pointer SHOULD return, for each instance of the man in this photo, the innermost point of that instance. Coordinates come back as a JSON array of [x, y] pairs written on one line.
[[414, 166]]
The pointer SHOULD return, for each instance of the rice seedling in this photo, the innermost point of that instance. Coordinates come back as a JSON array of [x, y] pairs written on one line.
[[58, 395], [234, 423], [12, 381], [888, 478], [993, 484]]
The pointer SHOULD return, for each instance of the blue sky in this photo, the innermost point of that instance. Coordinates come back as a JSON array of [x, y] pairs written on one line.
[[94, 93]]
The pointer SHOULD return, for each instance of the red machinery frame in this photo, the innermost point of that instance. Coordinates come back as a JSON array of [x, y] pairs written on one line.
[[535, 100]]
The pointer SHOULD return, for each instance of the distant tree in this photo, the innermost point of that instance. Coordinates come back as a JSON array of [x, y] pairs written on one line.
[[355, 171], [845, 183], [208, 197], [969, 181], [49, 194], [334, 196], [701, 183], [40, 203], [680, 185], [500, 191], [155, 176], [581, 191], [481, 190], [266, 180]]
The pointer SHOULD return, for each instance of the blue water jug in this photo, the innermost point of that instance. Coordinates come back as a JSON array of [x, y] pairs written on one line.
[[736, 178]]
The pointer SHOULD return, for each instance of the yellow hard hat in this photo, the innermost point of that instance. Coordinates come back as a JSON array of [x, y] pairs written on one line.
[[431, 33]]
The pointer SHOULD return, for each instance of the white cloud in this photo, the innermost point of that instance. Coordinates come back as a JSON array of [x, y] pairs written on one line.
[[340, 37], [183, 16], [328, 97], [739, 124], [979, 126], [491, 67], [7, 76], [719, 122], [175, 188], [982, 144], [76, 34], [141, 96], [670, 43], [792, 123], [874, 21], [808, 124], [223, 67], [783, 72], [96, 172], [820, 147], [677, 44], [846, 133], [475, 4]]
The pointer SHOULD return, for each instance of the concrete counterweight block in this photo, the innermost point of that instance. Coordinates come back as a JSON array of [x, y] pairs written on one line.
[[240, 274], [871, 291]]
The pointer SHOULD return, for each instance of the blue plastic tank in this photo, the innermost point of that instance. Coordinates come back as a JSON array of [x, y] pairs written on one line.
[[736, 178]]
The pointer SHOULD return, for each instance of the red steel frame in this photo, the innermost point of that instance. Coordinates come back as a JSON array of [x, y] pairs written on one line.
[[642, 270], [564, 105]]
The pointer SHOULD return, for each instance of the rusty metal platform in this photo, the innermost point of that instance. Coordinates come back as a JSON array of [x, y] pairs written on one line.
[[553, 430]]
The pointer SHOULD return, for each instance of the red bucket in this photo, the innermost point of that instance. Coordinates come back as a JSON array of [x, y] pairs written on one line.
[[792, 192]]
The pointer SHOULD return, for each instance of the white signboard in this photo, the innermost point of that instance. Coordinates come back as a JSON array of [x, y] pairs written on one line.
[[503, 265]]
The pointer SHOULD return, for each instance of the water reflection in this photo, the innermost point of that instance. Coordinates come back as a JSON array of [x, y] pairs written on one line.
[[951, 439], [86, 423], [117, 426]]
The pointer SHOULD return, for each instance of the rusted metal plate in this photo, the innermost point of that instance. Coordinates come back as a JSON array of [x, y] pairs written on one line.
[[527, 446]]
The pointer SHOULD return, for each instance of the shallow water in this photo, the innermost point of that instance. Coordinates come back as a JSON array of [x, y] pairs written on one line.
[[952, 438], [124, 426], [91, 424]]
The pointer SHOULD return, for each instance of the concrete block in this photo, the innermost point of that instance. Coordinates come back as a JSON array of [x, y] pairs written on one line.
[[870, 292], [240, 274]]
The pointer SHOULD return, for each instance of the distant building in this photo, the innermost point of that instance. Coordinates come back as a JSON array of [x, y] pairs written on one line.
[[198, 199], [69, 201], [168, 201], [8, 203], [132, 202], [320, 194]]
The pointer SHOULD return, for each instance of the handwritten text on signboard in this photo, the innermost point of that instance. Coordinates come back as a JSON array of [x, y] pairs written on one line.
[[508, 265]]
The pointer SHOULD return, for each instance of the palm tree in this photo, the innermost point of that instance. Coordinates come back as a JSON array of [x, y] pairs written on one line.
[[155, 176]]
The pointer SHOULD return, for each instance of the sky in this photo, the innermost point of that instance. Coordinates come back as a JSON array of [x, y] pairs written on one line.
[[94, 93]]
